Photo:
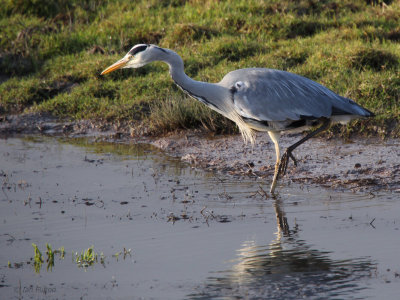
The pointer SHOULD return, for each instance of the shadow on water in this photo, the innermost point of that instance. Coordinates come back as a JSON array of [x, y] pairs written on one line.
[[287, 268]]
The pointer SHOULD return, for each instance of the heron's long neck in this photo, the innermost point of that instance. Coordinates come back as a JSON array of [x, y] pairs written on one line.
[[197, 89], [213, 95]]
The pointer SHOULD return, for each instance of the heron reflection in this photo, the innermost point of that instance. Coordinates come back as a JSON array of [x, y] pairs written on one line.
[[286, 268]]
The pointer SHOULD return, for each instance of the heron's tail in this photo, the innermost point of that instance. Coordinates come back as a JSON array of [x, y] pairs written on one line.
[[349, 107]]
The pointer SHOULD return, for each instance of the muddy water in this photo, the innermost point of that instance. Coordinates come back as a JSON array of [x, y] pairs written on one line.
[[191, 234]]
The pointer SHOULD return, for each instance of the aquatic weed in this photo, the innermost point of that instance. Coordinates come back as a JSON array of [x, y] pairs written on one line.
[[38, 258], [87, 258]]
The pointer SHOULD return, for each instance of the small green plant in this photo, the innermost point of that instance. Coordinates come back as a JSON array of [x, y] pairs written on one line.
[[61, 251], [37, 259], [50, 257], [127, 252], [103, 259], [116, 255], [86, 258]]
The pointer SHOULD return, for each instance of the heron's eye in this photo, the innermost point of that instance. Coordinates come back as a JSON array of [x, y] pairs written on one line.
[[238, 84], [137, 49]]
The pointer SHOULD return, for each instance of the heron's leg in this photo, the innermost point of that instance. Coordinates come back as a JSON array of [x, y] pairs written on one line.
[[288, 153], [283, 225], [275, 138]]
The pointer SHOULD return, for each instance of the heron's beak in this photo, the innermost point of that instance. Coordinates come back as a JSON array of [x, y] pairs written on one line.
[[118, 65]]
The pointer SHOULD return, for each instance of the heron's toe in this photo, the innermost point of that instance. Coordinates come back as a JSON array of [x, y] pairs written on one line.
[[283, 164], [293, 158]]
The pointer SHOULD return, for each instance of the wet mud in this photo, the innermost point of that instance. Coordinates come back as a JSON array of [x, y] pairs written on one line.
[[358, 164], [354, 165]]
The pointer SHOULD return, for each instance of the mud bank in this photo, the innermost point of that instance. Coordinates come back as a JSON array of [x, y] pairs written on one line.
[[358, 164]]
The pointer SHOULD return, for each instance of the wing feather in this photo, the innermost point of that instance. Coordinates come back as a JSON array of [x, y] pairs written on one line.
[[273, 95]]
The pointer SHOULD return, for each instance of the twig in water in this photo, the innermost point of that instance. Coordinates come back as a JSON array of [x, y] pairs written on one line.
[[372, 222], [262, 192]]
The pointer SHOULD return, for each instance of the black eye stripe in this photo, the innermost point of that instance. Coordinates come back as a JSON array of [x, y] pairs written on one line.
[[161, 49], [137, 49]]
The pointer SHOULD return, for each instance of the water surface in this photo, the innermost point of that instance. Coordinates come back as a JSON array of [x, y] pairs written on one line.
[[192, 234]]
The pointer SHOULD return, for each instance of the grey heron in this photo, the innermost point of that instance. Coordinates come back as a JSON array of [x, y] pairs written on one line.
[[257, 99]]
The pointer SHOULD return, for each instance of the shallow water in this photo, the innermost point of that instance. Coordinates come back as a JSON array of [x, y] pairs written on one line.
[[192, 234]]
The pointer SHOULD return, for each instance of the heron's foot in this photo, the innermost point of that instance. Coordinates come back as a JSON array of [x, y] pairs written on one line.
[[285, 161], [283, 164], [281, 167], [293, 158]]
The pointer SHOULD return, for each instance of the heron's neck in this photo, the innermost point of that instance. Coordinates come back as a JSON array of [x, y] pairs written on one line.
[[215, 96], [192, 87]]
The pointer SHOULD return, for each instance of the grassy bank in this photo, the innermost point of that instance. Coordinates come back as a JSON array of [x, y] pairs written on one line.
[[51, 55]]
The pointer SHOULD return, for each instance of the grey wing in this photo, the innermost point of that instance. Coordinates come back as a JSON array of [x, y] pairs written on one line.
[[273, 95]]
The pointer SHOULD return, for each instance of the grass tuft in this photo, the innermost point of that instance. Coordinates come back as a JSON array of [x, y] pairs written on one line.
[[394, 35], [375, 59], [234, 50], [182, 34], [181, 113], [301, 28]]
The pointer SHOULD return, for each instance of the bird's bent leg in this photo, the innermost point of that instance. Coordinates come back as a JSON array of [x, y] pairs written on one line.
[[275, 137], [288, 153]]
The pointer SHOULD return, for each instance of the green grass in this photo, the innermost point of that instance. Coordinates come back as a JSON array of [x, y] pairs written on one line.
[[38, 257], [51, 55], [87, 257], [83, 260]]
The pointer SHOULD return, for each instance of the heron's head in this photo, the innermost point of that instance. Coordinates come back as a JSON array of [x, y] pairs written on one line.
[[137, 57]]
